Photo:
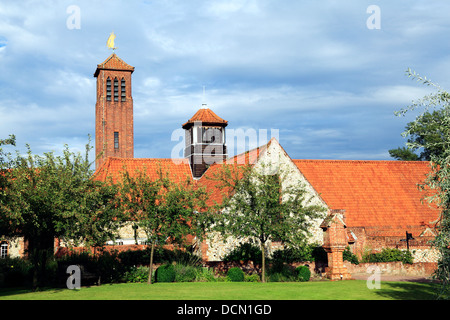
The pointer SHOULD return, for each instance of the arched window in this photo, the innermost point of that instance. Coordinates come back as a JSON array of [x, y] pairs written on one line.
[[123, 90], [108, 89], [116, 89]]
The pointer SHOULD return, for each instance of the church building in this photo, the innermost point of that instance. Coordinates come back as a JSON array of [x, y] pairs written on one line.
[[375, 202]]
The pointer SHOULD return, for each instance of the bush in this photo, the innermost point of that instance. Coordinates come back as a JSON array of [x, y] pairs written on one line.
[[347, 255], [311, 252], [235, 275], [105, 265], [109, 267], [15, 272], [205, 275], [251, 278], [389, 255], [132, 258], [281, 272], [185, 273], [137, 275], [165, 273], [245, 252], [303, 273]]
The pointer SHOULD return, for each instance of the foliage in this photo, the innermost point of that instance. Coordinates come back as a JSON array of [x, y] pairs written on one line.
[[307, 252], [166, 210], [349, 256], [48, 197], [235, 274], [437, 183], [281, 272], [15, 272], [303, 273], [261, 205], [389, 255], [403, 154], [244, 252], [104, 265], [205, 275], [185, 272], [132, 258], [165, 273], [137, 274], [251, 278], [425, 134]]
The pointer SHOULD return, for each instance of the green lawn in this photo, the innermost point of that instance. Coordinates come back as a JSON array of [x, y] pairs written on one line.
[[314, 290]]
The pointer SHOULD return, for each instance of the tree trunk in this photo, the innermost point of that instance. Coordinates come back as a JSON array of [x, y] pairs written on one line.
[[151, 264], [263, 256]]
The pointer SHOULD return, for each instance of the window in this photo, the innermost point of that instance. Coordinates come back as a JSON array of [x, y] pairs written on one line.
[[116, 89], [3, 250], [108, 89], [210, 135], [116, 140], [123, 90]]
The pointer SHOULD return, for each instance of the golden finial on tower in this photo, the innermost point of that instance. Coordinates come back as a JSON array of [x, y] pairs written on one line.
[[110, 42]]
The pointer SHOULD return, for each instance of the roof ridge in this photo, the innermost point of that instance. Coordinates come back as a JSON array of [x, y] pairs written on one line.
[[211, 117], [361, 161], [142, 159]]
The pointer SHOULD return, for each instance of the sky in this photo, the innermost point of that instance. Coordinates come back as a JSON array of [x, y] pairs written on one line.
[[326, 76]]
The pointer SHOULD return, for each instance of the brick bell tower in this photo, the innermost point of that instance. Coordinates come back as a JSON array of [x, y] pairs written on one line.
[[113, 110]]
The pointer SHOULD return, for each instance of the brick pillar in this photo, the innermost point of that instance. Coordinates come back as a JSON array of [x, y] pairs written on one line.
[[335, 242]]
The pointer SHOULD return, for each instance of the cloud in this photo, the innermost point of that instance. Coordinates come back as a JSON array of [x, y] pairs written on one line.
[[312, 70]]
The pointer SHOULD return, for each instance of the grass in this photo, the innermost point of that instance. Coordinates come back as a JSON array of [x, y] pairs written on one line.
[[314, 290]]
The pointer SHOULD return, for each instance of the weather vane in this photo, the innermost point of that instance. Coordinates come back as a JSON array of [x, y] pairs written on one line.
[[110, 42]]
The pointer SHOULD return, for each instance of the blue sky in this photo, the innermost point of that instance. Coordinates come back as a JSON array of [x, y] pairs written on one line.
[[311, 69]]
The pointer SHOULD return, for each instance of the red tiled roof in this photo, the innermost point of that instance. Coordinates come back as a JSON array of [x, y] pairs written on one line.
[[206, 116], [112, 167], [113, 62], [372, 193]]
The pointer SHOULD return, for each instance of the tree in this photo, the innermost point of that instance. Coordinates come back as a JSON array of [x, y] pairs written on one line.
[[4, 167], [424, 132], [403, 154], [437, 183], [165, 209], [10, 141], [50, 197], [259, 204]]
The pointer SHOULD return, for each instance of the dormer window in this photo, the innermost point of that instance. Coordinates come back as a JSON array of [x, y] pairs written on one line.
[[108, 89], [123, 90], [116, 90]]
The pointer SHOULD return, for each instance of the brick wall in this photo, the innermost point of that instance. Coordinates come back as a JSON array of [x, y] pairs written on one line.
[[113, 116], [424, 269], [371, 240]]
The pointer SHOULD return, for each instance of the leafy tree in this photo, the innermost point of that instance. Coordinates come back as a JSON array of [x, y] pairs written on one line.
[[403, 154], [424, 132], [167, 210], [4, 167], [263, 206], [50, 197], [437, 183], [10, 141]]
